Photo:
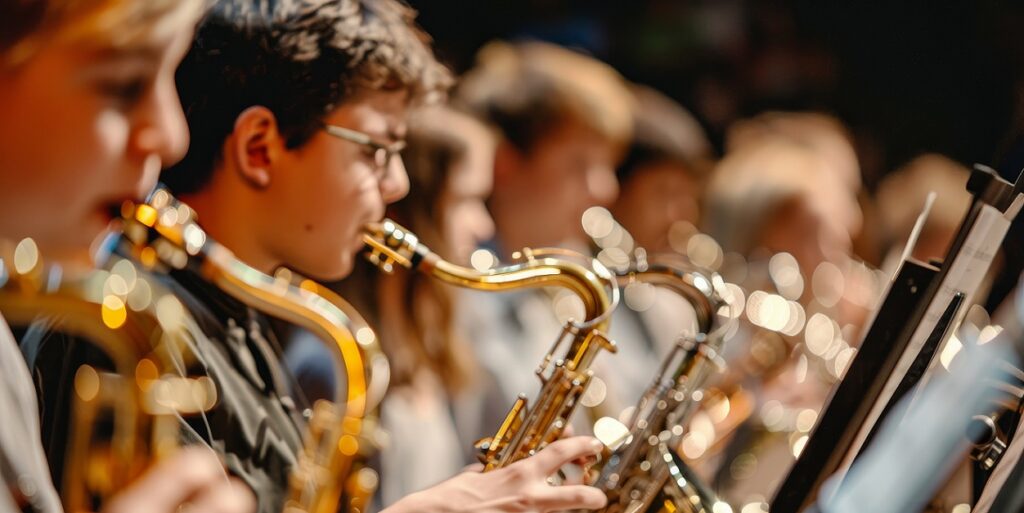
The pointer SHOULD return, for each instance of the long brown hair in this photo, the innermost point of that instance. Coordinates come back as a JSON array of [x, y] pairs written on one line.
[[414, 314]]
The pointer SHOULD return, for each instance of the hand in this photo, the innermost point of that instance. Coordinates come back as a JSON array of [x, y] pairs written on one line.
[[192, 481], [520, 488]]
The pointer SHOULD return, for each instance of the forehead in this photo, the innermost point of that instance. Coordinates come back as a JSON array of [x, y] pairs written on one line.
[[381, 113], [471, 178], [102, 24], [94, 54], [576, 134]]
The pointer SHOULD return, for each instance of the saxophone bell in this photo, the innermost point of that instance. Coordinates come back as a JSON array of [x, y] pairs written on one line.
[[125, 416]]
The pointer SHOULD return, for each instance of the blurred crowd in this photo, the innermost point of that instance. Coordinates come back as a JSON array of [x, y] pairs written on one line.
[[543, 146], [782, 159]]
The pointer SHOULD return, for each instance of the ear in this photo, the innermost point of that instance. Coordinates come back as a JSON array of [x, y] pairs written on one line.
[[256, 145], [507, 161]]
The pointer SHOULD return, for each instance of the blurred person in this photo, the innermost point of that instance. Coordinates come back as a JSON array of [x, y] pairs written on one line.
[[823, 134], [105, 70], [661, 180], [901, 197], [564, 121], [434, 376], [435, 382], [298, 111], [776, 195], [662, 175], [770, 196]]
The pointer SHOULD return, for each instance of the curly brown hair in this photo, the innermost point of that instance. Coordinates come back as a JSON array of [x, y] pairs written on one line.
[[299, 58]]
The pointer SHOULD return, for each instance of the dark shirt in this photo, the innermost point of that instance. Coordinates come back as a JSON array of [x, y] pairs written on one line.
[[255, 425]]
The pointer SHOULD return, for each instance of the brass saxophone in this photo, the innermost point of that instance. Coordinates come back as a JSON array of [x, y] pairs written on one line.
[[527, 428], [143, 330], [341, 435], [644, 473]]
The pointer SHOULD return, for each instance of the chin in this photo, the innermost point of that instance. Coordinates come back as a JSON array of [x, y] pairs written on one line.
[[334, 270], [343, 270], [78, 239]]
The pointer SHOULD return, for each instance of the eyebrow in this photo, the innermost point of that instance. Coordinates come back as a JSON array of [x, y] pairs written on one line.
[[143, 52]]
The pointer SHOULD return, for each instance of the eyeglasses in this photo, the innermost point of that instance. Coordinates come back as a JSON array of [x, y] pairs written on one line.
[[382, 153]]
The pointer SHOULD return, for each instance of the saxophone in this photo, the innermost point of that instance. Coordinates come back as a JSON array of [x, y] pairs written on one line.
[[142, 329], [526, 428], [342, 435], [644, 473]]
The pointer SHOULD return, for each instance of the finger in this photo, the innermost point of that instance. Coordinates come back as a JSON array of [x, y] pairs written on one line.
[[587, 461], [224, 497], [568, 431], [560, 452], [169, 483], [476, 467], [561, 498]]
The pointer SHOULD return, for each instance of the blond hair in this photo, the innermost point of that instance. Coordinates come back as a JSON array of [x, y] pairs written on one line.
[[902, 193], [117, 23], [753, 183], [823, 133], [527, 88]]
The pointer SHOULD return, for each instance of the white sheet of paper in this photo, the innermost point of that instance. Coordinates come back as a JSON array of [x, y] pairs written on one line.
[[965, 275]]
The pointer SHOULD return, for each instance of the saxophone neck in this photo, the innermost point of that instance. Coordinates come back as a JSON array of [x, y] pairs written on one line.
[[389, 244], [694, 287]]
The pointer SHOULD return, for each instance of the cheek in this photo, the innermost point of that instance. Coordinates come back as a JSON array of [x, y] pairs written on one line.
[[94, 149], [449, 224], [111, 134], [73, 163], [461, 224], [331, 205]]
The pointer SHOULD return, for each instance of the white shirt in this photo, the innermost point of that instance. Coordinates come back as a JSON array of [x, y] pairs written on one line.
[[21, 450], [423, 446]]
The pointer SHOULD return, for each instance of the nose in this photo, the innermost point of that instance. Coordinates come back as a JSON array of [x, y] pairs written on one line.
[[161, 126], [394, 185], [483, 229], [602, 185]]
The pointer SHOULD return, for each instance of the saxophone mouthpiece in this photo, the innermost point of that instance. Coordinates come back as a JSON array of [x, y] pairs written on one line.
[[389, 243]]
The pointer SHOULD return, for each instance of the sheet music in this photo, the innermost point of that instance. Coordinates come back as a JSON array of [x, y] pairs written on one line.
[[965, 274], [908, 248], [915, 234], [902, 470], [984, 252]]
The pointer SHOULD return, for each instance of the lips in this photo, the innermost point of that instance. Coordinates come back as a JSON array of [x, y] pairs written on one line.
[[113, 210]]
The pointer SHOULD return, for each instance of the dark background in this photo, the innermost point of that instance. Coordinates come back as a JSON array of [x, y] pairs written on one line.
[[906, 77]]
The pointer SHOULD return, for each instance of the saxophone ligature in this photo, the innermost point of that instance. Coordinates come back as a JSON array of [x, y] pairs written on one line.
[[123, 416], [528, 427], [343, 434], [645, 473]]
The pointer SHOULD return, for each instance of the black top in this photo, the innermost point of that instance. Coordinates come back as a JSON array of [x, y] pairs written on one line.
[[255, 425]]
